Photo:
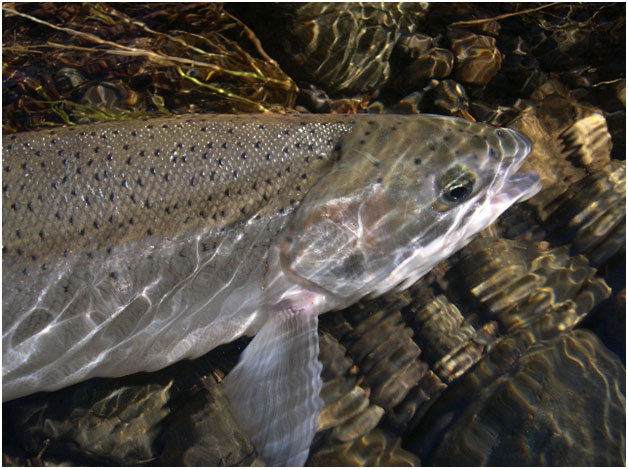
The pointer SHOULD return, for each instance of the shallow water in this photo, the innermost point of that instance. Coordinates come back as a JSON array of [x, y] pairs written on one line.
[[482, 362]]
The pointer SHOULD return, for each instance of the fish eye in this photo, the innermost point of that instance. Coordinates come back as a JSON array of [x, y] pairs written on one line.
[[456, 185]]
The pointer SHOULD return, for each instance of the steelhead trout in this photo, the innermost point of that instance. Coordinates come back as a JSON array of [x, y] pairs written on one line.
[[130, 245]]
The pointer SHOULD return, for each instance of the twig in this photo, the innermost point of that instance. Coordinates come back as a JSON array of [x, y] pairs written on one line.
[[500, 17]]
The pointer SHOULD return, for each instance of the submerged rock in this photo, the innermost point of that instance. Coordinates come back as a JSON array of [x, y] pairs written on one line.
[[519, 405]]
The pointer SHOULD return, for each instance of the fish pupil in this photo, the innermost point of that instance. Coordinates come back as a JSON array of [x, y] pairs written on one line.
[[459, 185], [458, 193]]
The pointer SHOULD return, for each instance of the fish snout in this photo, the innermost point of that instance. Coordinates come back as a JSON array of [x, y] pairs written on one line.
[[514, 147]]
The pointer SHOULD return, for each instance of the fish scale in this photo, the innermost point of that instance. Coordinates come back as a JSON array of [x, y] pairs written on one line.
[[71, 188], [129, 246]]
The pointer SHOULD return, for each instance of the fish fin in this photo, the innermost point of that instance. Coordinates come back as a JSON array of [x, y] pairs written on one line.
[[274, 389]]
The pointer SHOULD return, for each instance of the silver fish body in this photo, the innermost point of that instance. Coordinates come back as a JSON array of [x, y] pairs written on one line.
[[129, 246]]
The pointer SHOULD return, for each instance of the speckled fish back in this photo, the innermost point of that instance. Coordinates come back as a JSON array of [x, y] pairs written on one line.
[[98, 186]]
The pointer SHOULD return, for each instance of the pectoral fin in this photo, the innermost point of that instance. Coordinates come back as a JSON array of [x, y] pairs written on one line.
[[274, 389]]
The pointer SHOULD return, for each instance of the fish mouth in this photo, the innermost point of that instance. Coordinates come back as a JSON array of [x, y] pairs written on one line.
[[511, 185], [517, 186]]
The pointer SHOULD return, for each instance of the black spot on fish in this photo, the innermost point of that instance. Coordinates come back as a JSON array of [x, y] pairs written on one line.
[[203, 129], [82, 232], [53, 141], [96, 224], [243, 156], [417, 161], [153, 171], [96, 150], [212, 175], [128, 161], [133, 198], [192, 181], [111, 196], [379, 180], [142, 153], [134, 133], [258, 144], [167, 177], [147, 203], [55, 186], [285, 150], [205, 155], [73, 192], [125, 184], [87, 201], [18, 233], [14, 207], [224, 145], [110, 156], [156, 152], [235, 175], [111, 219], [58, 215]]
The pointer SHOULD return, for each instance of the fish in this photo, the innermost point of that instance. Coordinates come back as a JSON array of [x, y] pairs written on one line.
[[130, 245]]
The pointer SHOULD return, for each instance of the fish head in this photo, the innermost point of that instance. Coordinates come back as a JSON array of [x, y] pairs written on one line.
[[407, 192]]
